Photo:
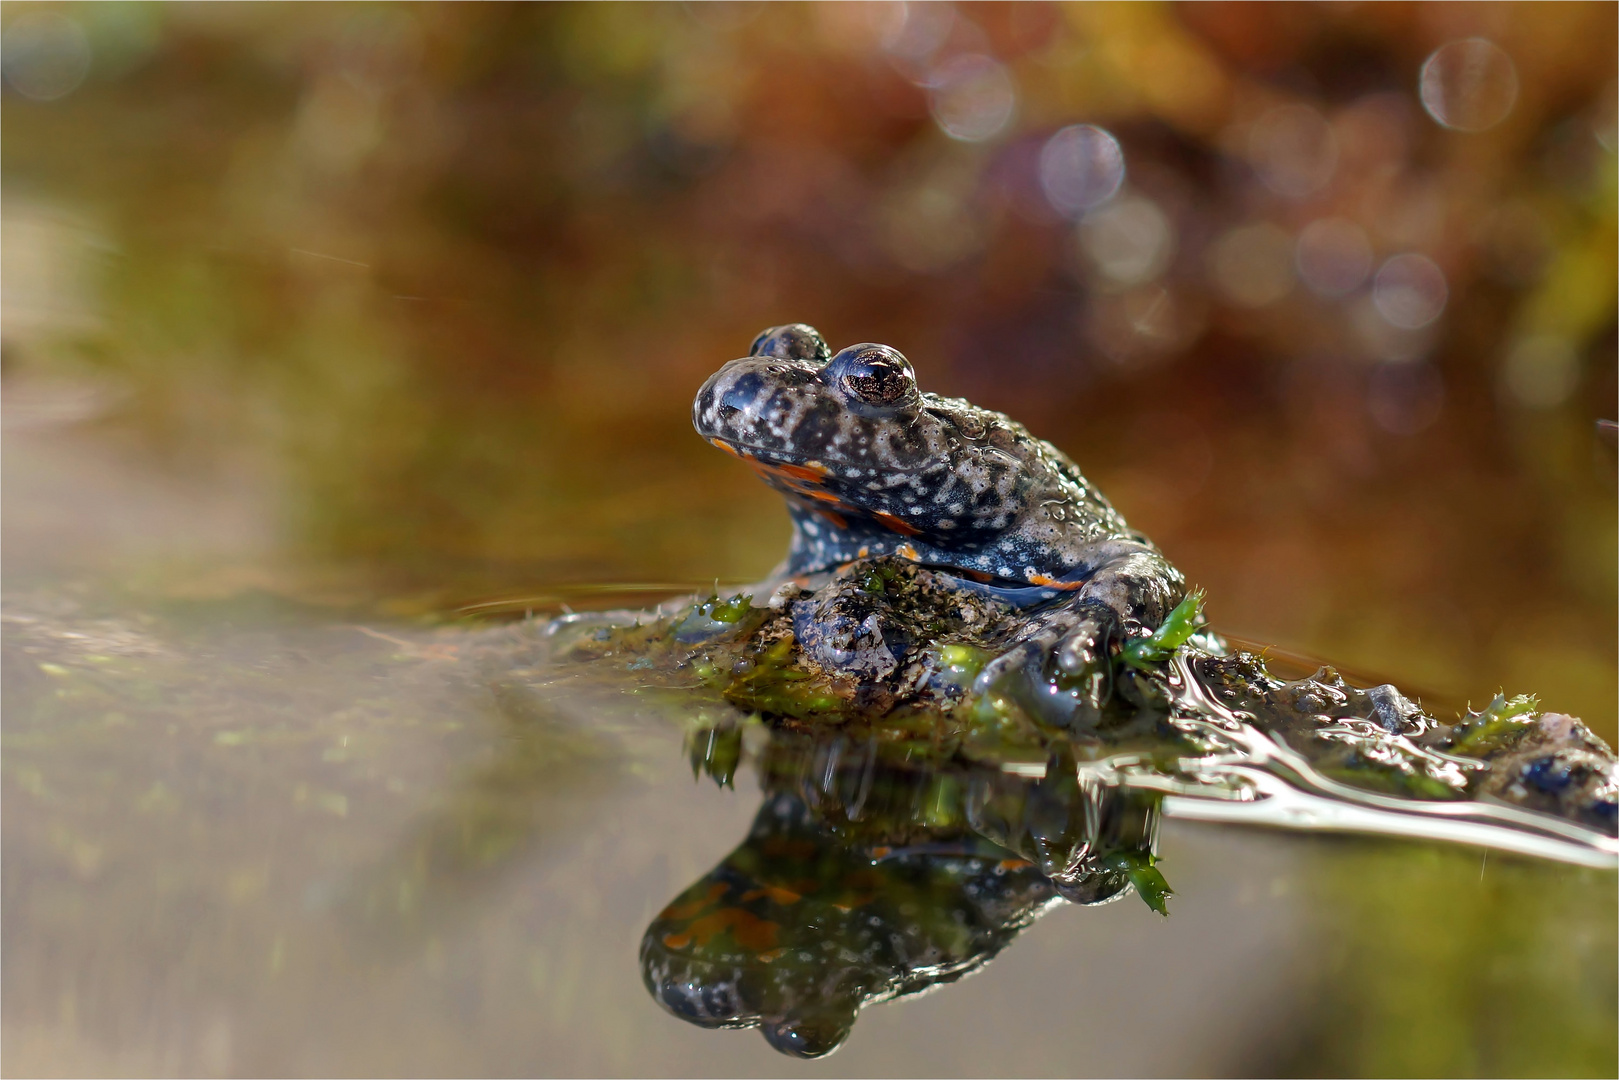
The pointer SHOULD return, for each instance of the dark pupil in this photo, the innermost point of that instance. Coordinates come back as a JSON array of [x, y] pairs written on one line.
[[880, 385]]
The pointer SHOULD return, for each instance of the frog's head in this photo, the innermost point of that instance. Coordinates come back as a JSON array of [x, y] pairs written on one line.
[[844, 434]]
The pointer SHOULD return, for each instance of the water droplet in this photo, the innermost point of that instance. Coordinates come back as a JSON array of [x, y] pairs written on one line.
[[1410, 291], [1469, 85], [1129, 240], [1080, 167], [45, 55], [1333, 256], [1293, 150], [1253, 264], [1541, 371], [971, 97]]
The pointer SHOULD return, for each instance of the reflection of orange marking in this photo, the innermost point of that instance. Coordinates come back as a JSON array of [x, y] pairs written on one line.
[[906, 551], [847, 904], [775, 892], [676, 941], [977, 575], [750, 931], [904, 528], [881, 852], [770, 957], [692, 907], [1053, 583], [1014, 864]]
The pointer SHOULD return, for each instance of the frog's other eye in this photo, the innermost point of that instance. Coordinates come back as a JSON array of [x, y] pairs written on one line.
[[795, 341], [873, 375]]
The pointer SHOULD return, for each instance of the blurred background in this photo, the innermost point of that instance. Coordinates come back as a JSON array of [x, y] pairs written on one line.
[[321, 322], [1321, 295]]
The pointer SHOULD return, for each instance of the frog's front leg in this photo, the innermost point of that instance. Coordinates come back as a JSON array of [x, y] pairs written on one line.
[[1060, 665]]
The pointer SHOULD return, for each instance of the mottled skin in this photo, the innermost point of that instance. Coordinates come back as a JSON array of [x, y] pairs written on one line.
[[871, 466]]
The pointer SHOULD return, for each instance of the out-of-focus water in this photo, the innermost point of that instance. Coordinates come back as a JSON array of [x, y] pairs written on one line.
[[323, 323]]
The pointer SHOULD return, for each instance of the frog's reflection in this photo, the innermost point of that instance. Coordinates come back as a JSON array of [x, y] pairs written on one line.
[[870, 874]]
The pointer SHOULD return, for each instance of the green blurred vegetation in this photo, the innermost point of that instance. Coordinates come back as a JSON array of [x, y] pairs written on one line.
[[1449, 963]]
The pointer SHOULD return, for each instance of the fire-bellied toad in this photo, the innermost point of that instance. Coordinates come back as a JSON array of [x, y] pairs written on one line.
[[871, 466]]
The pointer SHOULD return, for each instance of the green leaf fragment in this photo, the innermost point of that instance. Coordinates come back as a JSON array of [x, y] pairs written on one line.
[[729, 611], [1160, 645], [1149, 882], [1502, 718]]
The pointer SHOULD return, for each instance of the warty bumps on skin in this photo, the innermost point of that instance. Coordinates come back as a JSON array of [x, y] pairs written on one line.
[[872, 466]]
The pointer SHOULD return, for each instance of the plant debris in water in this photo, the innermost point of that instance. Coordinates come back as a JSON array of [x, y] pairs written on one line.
[[894, 648]]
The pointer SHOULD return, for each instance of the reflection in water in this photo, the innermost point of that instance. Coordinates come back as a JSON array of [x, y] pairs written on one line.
[[872, 873]]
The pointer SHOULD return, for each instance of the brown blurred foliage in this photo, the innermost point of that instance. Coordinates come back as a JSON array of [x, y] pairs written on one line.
[[450, 274]]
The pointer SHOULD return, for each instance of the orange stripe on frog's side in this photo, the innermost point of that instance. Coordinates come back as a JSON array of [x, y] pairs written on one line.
[[894, 524], [811, 471], [835, 518], [1052, 583], [906, 551]]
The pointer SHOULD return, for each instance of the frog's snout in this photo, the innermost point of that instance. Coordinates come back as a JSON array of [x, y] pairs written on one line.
[[728, 405]]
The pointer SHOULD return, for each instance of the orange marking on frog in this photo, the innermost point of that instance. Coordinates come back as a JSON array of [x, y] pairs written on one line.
[[976, 575], [676, 941], [727, 447], [836, 519], [1053, 583], [1014, 864], [906, 551], [749, 931], [904, 528], [811, 471]]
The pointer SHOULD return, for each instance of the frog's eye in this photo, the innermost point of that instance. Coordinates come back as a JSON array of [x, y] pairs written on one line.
[[873, 375], [795, 341]]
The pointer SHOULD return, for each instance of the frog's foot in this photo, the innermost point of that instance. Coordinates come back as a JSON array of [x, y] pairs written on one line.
[[1061, 671]]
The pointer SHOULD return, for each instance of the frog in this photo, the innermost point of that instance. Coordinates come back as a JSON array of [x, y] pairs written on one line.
[[871, 466]]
